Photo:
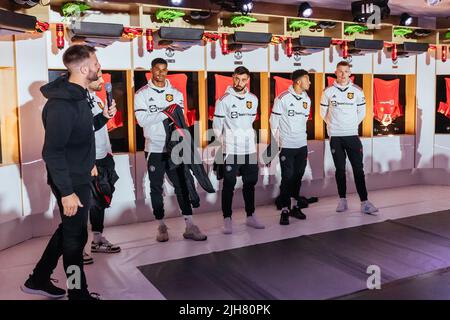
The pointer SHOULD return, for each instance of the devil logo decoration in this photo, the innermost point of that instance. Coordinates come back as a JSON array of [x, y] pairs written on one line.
[[249, 104], [305, 105], [169, 97], [350, 95]]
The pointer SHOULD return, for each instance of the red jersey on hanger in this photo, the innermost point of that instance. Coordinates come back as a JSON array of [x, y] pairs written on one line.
[[444, 107], [386, 105], [117, 121]]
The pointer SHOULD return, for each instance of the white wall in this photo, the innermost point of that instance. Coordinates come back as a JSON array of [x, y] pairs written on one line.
[[360, 64], [256, 60], [30, 77], [426, 110], [7, 51], [383, 64], [279, 62], [191, 59]]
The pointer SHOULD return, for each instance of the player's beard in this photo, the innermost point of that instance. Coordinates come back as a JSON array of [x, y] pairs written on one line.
[[239, 89]]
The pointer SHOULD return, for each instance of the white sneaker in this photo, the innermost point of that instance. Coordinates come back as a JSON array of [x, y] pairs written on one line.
[[87, 259], [368, 208], [227, 226], [254, 223], [342, 205]]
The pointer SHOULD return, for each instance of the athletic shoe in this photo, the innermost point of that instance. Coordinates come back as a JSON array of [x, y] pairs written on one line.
[[163, 235], [227, 226], [297, 213], [368, 208], [193, 232], [284, 218], [342, 205], [87, 259], [254, 223], [104, 246], [46, 289]]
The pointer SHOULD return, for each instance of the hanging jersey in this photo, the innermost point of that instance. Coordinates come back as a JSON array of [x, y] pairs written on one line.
[[343, 108], [117, 121], [149, 101], [283, 84], [386, 105], [233, 121], [179, 82], [102, 142], [221, 83], [444, 107], [289, 117]]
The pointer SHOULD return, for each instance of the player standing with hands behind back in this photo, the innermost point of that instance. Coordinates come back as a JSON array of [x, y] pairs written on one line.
[[343, 107]]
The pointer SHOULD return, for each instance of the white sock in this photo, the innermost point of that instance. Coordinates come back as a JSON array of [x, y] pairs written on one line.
[[161, 222], [189, 221], [97, 236]]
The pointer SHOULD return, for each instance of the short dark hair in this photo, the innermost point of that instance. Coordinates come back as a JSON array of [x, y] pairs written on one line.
[[159, 61], [343, 64], [297, 74], [241, 70], [77, 53]]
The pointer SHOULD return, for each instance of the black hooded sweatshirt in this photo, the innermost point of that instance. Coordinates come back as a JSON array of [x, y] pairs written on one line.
[[69, 145]]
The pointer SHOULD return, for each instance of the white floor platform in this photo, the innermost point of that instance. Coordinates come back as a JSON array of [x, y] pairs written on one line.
[[115, 276]]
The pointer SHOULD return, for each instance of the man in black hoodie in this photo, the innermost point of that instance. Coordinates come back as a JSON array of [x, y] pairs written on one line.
[[69, 155]]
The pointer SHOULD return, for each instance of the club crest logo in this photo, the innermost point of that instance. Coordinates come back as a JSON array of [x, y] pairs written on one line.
[[305, 105], [238, 55], [100, 105], [350, 95], [170, 52], [249, 104], [169, 97]]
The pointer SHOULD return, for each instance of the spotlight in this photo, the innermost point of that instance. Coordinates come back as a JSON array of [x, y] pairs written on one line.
[[305, 10], [406, 19], [176, 2], [246, 6], [242, 6]]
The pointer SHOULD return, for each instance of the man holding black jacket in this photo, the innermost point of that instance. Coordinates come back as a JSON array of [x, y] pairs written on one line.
[[69, 155]]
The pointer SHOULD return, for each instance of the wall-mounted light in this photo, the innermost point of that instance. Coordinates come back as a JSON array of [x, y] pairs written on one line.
[[406, 19], [305, 10]]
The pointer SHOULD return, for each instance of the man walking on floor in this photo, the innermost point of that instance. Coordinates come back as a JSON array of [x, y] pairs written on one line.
[[234, 115], [149, 103], [69, 155], [288, 121], [343, 107]]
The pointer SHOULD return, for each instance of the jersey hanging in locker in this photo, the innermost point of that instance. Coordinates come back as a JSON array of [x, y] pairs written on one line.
[[386, 106]]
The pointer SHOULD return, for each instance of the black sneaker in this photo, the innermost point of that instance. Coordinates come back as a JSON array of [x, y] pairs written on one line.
[[46, 289], [297, 213], [284, 218], [278, 203]]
